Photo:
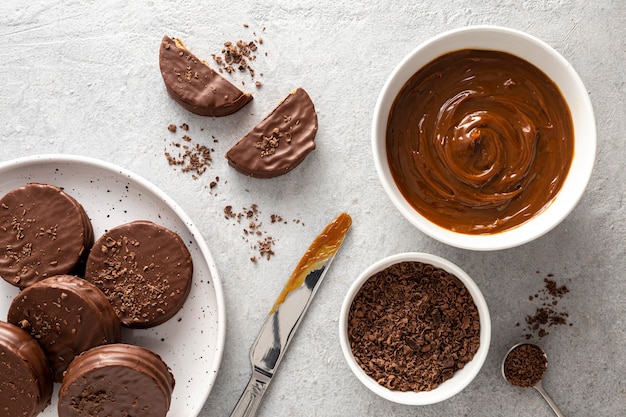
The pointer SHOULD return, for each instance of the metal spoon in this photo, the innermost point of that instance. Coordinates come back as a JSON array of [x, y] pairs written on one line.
[[538, 385]]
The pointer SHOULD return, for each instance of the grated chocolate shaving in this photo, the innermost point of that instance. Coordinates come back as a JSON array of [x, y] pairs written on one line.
[[249, 217], [268, 144], [412, 326], [236, 56], [190, 157], [133, 283], [525, 365], [254, 232]]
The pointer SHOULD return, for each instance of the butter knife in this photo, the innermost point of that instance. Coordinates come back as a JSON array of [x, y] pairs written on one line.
[[285, 316]]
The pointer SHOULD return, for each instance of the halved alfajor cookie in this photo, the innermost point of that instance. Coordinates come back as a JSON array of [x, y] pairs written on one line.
[[43, 232], [144, 269], [116, 380], [196, 86], [280, 142], [67, 316], [25, 379]]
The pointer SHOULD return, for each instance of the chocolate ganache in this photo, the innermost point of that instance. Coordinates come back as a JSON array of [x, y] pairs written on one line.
[[479, 141]]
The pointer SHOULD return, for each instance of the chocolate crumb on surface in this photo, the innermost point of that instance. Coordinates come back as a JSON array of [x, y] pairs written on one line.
[[265, 247], [189, 156], [250, 217], [254, 231], [277, 218], [548, 314], [525, 365], [412, 326], [236, 56]]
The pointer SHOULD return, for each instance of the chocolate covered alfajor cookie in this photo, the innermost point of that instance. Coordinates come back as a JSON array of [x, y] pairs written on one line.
[[43, 232], [116, 380], [25, 379], [67, 316], [144, 269], [196, 86], [280, 142]]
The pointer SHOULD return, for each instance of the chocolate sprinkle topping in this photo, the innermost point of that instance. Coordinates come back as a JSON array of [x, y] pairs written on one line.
[[144, 269]]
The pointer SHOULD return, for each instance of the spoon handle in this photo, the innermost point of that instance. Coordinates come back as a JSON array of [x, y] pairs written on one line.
[[550, 401]]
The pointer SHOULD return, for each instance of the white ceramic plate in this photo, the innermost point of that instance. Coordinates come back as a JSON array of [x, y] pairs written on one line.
[[192, 342]]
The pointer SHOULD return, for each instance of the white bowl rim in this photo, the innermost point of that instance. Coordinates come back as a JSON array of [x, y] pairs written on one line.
[[548, 60], [463, 377]]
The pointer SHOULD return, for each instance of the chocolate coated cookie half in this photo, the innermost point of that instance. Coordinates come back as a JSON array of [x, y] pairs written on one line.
[[144, 269], [43, 232], [280, 141], [196, 86], [117, 380], [25, 380], [67, 316]]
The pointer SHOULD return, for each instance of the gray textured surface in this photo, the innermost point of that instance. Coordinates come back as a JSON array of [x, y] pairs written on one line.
[[82, 78]]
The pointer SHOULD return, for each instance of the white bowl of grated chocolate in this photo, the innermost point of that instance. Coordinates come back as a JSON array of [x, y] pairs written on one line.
[[484, 137], [414, 328]]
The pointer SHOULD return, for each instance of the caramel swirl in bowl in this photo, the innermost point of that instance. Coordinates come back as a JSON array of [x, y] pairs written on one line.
[[479, 141]]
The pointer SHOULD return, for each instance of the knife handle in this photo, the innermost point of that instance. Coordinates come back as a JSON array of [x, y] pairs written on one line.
[[252, 395]]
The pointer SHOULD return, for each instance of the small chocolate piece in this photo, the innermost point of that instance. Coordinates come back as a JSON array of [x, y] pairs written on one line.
[[116, 380], [280, 142], [67, 316], [144, 269], [196, 86], [25, 380], [43, 232]]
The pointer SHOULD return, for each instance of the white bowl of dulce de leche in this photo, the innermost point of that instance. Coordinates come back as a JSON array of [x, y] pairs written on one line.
[[484, 137]]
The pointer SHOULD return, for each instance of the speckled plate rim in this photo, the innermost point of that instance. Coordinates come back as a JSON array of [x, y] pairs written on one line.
[[192, 342]]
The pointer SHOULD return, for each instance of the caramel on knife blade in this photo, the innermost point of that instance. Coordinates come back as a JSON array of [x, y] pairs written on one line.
[[287, 313], [323, 247]]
